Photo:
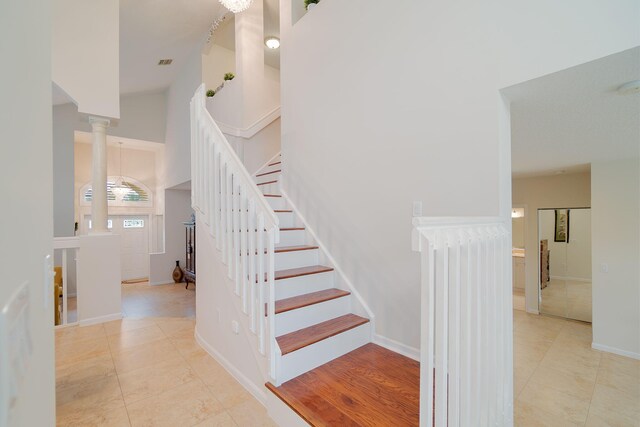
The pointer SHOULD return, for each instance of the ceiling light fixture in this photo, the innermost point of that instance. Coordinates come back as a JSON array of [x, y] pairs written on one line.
[[120, 188], [272, 42], [236, 6], [629, 88]]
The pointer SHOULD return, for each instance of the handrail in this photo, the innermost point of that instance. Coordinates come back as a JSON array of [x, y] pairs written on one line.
[[466, 374], [241, 221], [200, 99]]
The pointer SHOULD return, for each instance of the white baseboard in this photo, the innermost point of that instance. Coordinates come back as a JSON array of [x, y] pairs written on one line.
[[614, 350], [252, 388], [398, 347], [100, 319]]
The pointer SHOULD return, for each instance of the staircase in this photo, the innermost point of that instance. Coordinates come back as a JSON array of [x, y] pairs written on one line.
[[302, 313], [314, 322]]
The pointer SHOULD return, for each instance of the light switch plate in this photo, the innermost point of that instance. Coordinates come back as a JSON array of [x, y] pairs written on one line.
[[417, 208]]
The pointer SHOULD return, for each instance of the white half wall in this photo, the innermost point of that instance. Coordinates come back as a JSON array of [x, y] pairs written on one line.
[[177, 210], [558, 191], [616, 254], [99, 279], [216, 309], [86, 54], [27, 209]]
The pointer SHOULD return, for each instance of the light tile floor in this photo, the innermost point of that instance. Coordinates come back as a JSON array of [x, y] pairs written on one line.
[[149, 371], [561, 381]]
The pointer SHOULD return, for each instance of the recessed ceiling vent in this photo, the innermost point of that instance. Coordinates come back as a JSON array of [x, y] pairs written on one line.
[[165, 62]]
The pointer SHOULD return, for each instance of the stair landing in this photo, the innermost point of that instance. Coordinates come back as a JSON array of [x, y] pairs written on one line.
[[368, 386]]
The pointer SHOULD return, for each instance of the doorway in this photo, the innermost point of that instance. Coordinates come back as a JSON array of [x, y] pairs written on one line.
[[565, 283]]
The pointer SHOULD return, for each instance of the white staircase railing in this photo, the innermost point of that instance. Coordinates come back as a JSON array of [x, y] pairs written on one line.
[[466, 370], [240, 220]]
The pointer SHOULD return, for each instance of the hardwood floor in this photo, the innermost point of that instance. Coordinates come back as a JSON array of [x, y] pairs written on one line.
[[371, 386]]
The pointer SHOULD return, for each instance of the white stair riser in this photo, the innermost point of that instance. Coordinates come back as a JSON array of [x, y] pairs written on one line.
[[277, 202], [292, 238], [287, 288], [269, 188], [286, 219], [304, 317], [310, 357], [295, 259]]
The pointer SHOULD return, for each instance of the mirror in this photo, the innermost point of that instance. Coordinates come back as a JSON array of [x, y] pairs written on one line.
[[565, 262]]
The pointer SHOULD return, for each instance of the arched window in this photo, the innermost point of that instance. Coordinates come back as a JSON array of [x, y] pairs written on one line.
[[138, 194]]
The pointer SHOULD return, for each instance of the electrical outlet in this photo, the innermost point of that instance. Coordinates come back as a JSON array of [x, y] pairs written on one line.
[[235, 327], [219, 315], [604, 268], [417, 208]]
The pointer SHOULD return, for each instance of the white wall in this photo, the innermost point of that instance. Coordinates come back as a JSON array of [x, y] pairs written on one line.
[[260, 148], [26, 224], [142, 116], [364, 137], [570, 261], [178, 131], [177, 210], [85, 54], [572, 190], [215, 64], [616, 244], [215, 311], [65, 120]]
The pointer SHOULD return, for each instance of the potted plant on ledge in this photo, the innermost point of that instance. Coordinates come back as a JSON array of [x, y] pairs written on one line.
[[228, 77], [310, 4]]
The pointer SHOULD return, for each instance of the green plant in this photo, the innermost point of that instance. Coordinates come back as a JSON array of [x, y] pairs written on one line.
[[229, 76], [210, 93], [308, 2]]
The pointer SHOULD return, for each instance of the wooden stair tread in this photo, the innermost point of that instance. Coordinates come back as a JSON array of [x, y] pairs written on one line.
[[301, 271], [272, 195], [268, 182], [306, 300], [281, 249], [274, 163], [268, 173], [283, 210], [292, 229], [368, 386], [304, 337]]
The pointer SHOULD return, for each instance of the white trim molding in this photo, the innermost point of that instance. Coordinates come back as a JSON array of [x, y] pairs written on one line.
[[253, 129], [100, 319], [398, 347], [255, 391], [614, 350]]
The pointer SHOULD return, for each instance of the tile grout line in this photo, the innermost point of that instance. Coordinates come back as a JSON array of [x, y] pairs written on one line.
[[126, 409]]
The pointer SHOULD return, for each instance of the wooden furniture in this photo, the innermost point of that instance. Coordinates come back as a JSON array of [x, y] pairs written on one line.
[[544, 263], [190, 252]]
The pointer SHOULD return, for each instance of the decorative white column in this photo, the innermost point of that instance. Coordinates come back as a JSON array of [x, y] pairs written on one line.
[[99, 212]]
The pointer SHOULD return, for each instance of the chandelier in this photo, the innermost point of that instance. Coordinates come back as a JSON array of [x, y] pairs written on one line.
[[120, 188], [236, 6]]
